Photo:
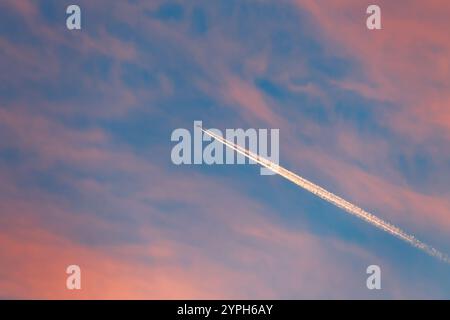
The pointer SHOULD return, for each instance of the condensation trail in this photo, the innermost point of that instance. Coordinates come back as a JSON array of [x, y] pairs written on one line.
[[332, 198]]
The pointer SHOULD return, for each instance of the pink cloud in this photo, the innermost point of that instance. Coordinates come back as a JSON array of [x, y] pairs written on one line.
[[259, 245], [250, 101], [35, 255], [393, 201], [406, 62]]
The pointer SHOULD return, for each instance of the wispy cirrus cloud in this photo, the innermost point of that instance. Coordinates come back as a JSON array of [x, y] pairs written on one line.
[[84, 159]]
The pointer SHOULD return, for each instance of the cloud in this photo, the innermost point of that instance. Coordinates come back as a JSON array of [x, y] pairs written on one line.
[[85, 175], [167, 257], [405, 62]]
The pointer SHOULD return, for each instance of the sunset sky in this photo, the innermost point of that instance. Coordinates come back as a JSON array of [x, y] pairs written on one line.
[[86, 176]]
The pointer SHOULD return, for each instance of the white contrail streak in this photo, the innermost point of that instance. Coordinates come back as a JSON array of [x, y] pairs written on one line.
[[332, 198]]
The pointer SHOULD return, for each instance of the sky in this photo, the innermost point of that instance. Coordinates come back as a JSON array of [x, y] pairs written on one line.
[[86, 176]]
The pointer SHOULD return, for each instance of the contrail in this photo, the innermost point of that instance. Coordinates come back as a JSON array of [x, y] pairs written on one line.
[[332, 198]]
